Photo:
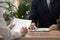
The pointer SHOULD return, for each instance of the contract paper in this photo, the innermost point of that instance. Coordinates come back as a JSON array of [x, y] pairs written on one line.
[[41, 29], [19, 23]]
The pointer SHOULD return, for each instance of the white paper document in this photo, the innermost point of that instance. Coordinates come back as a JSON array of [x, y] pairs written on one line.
[[41, 29], [19, 23]]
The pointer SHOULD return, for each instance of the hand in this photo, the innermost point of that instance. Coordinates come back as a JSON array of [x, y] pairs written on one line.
[[53, 27], [24, 31], [32, 26], [1, 37], [11, 25]]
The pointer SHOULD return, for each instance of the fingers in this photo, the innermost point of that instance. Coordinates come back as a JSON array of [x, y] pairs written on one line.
[[53, 27], [11, 25], [32, 26], [24, 31], [1, 37]]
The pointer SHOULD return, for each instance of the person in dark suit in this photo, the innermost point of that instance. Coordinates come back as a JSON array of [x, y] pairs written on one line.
[[45, 13]]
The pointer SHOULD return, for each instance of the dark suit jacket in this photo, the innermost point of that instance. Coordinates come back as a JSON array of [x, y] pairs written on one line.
[[40, 13]]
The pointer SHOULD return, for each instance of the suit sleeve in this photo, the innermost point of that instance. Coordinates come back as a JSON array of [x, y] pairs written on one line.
[[58, 9], [57, 12], [33, 13]]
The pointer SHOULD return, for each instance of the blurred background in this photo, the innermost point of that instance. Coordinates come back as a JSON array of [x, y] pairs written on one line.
[[15, 8]]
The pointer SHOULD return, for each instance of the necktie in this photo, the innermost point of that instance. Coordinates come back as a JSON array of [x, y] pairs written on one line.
[[51, 2], [50, 5]]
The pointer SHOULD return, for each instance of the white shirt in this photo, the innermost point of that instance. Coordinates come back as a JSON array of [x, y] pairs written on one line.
[[8, 34], [48, 2]]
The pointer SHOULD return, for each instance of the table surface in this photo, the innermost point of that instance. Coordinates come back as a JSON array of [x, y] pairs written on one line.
[[55, 35], [51, 35]]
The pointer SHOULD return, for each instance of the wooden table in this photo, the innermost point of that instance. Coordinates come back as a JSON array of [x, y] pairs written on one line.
[[52, 35]]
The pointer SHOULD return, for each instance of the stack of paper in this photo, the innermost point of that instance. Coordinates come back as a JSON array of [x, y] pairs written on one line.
[[41, 29], [19, 23]]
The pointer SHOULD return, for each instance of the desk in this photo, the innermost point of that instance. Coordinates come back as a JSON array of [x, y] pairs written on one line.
[[52, 35]]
